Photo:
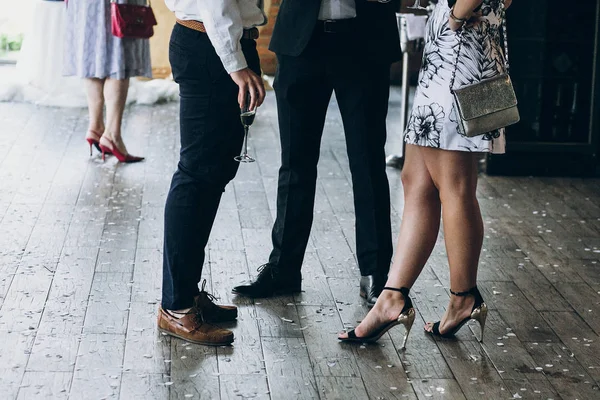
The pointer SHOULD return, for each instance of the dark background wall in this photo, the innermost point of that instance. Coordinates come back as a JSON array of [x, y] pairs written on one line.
[[555, 69]]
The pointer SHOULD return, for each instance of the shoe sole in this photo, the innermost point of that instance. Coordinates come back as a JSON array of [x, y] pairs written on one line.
[[408, 324], [372, 339], [274, 294], [225, 343]]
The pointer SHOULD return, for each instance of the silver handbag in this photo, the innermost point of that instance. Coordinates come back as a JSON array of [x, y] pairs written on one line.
[[486, 105]]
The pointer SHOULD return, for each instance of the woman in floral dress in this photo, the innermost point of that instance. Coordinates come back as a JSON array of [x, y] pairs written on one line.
[[433, 122], [440, 171]]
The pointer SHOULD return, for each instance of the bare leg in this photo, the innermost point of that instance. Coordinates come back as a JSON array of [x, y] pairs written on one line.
[[420, 221], [95, 100], [455, 175], [418, 234], [115, 93]]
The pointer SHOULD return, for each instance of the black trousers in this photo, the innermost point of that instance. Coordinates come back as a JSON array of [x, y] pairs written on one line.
[[211, 136], [303, 86]]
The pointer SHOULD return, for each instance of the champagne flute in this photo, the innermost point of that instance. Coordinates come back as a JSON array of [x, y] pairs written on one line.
[[417, 6], [247, 117]]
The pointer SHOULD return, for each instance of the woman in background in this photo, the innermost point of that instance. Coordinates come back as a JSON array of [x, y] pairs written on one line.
[[106, 63]]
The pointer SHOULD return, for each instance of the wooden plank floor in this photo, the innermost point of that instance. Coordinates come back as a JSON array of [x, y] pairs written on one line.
[[80, 277]]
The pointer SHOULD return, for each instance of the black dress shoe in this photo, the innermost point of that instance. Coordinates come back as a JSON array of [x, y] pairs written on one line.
[[271, 281], [371, 287]]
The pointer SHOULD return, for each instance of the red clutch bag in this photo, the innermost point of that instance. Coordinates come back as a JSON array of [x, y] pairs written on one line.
[[131, 21]]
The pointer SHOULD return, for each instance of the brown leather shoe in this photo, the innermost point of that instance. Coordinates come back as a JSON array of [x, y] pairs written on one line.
[[190, 327], [211, 312]]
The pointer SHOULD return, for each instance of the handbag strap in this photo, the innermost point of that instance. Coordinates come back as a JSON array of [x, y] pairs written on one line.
[[148, 3], [460, 34]]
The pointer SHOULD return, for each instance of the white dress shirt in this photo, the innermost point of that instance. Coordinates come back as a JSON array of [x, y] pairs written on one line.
[[337, 9], [224, 21]]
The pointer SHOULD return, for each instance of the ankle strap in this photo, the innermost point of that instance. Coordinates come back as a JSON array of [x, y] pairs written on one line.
[[474, 292], [404, 290]]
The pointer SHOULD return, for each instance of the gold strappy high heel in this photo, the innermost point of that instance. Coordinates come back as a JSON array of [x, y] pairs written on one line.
[[478, 313], [406, 318]]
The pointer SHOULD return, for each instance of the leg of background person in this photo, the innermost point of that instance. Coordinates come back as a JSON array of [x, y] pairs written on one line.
[[95, 100], [377, 115], [303, 94], [362, 95], [115, 94]]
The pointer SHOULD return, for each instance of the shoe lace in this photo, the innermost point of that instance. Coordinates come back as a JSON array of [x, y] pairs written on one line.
[[199, 321], [196, 317], [266, 269], [210, 296], [199, 311]]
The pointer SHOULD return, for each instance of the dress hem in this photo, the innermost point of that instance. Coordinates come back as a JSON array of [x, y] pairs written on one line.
[[117, 76], [486, 151]]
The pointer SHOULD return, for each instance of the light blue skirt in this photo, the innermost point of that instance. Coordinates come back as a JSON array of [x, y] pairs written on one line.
[[91, 51]]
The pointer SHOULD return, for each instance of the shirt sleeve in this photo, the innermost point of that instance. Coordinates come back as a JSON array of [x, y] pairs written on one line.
[[223, 22]]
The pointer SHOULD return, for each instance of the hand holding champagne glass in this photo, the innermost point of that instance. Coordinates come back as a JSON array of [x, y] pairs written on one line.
[[247, 116]]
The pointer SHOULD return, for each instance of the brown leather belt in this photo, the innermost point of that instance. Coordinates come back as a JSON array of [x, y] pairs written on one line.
[[251, 33]]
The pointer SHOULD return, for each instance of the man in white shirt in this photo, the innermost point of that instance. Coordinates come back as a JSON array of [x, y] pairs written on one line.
[[214, 60], [326, 46]]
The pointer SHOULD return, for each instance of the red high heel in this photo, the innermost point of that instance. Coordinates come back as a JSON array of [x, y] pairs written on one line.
[[108, 147], [93, 138]]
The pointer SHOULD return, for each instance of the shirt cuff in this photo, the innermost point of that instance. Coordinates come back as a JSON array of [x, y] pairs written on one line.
[[234, 62]]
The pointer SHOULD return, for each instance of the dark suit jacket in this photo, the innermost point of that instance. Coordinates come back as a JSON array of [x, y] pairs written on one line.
[[378, 34]]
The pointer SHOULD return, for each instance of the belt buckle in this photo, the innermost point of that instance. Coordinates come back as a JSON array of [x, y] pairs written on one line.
[[329, 26]]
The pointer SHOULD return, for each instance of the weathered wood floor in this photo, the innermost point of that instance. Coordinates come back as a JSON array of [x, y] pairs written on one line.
[[80, 276]]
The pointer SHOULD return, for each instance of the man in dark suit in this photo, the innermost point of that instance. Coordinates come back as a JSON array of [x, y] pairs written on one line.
[[323, 46]]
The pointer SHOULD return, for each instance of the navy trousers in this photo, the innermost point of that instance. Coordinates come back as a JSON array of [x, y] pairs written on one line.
[[211, 136]]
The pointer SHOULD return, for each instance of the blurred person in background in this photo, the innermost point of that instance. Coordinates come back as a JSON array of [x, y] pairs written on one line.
[[106, 62]]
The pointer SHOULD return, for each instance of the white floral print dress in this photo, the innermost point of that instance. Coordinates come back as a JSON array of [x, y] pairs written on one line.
[[433, 122]]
